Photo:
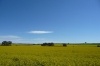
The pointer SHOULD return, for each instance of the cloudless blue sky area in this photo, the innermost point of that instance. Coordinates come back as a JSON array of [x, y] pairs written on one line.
[[73, 21]]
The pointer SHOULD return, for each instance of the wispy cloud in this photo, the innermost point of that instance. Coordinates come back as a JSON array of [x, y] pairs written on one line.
[[39, 39], [9, 37], [40, 32], [17, 39]]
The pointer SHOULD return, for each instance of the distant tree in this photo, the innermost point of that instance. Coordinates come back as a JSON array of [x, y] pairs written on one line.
[[50, 44], [9, 43], [6, 43], [85, 42], [98, 45], [64, 45], [47, 44], [44, 44]]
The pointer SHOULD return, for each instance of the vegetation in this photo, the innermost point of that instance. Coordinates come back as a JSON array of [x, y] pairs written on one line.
[[6, 43], [64, 45], [47, 44], [98, 45], [35, 55]]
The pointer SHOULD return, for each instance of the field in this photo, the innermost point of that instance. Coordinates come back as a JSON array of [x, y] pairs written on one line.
[[77, 55]]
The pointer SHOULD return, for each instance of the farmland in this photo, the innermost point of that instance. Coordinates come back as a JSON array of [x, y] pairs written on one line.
[[72, 55]]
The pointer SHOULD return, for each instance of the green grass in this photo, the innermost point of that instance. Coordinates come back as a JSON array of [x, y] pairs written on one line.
[[36, 55]]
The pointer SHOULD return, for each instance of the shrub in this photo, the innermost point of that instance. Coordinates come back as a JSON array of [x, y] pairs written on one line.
[[64, 45], [6, 43], [98, 45], [47, 44]]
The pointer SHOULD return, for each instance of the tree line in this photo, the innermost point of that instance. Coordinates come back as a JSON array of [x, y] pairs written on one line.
[[47, 44], [51, 44], [6, 43]]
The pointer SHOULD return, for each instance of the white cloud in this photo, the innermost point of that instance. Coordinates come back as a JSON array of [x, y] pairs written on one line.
[[40, 32]]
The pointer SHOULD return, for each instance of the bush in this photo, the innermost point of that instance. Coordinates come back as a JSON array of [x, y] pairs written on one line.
[[6, 43], [47, 44], [64, 45], [98, 45]]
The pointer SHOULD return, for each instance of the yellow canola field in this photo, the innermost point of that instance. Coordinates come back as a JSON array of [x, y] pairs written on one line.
[[78, 55]]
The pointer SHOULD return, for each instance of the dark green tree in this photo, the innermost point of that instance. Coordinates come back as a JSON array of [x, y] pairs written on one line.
[[6, 43], [9, 43], [47, 44], [98, 45], [64, 45]]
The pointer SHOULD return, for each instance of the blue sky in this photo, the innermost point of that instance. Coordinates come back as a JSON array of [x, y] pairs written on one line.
[[38, 21]]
